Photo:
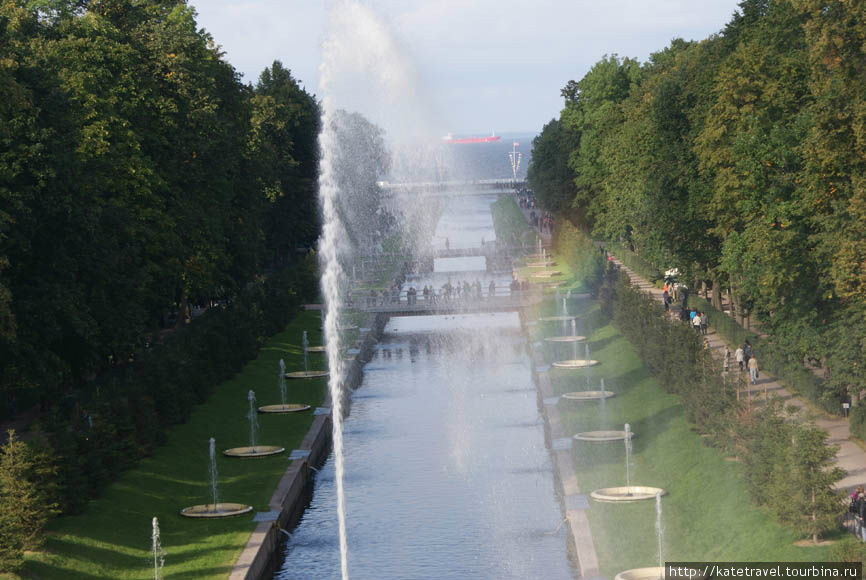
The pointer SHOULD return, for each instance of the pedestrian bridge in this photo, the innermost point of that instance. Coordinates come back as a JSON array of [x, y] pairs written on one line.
[[515, 301], [439, 188]]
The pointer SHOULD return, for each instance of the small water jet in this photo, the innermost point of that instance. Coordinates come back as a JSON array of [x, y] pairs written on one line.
[[306, 373], [253, 450], [283, 407], [573, 337], [655, 572], [306, 344], [215, 509], [629, 492], [158, 552], [576, 363]]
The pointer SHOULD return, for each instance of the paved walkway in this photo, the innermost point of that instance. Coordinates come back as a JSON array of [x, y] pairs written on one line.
[[850, 456]]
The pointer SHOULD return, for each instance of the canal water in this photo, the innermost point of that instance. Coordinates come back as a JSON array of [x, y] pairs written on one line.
[[446, 471]]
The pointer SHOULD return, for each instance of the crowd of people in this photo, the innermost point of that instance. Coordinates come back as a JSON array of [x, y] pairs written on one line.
[[448, 291]]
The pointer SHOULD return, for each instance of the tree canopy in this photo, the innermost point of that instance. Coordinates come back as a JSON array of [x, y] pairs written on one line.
[[739, 160]]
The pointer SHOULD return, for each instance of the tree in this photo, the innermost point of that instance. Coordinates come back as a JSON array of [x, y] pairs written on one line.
[[813, 507], [25, 506], [283, 154], [548, 174], [362, 159]]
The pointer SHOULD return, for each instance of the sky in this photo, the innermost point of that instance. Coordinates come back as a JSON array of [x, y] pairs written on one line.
[[481, 65]]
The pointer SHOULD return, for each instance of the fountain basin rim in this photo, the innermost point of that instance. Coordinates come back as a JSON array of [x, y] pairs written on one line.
[[306, 374], [652, 573], [319, 348], [626, 494], [600, 436], [546, 274], [287, 408], [257, 451], [565, 339], [540, 264], [220, 510], [575, 363], [587, 395], [560, 318]]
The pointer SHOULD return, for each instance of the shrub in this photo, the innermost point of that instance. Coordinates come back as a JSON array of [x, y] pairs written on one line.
[[857, 421], [26, 501]]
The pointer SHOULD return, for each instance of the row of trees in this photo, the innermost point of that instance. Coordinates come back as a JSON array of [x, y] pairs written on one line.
[[138, 175], [787, 464], [741, 161]]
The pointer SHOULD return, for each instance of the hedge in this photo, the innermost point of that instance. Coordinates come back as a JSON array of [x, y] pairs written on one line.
[[787, 465], [106, 425]]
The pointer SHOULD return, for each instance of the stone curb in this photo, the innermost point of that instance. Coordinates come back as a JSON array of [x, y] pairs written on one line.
[[565, 476]]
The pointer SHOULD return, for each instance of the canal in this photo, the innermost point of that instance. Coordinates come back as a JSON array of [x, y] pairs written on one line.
[[446, 470]]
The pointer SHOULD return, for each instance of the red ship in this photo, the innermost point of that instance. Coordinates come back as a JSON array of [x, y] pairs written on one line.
[[451, 139]]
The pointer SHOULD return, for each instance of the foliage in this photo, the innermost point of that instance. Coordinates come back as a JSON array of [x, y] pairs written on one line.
[[787, 465], [109, 539], [106, 426], [740, 161], [586, 262], [858, 422], [139, 177], [26, 489]]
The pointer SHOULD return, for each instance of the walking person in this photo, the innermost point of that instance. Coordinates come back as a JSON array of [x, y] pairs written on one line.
[[740, 357], [726, 362], [747, 352], [753, 369]]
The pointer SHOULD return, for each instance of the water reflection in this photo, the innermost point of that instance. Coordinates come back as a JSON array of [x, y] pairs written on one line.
[[456, 479]]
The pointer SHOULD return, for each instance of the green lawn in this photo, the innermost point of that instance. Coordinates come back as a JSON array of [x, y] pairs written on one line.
[[112, 538], [707, 514]]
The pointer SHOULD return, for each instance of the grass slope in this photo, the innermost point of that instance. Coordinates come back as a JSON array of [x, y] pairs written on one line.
[[707, 514], [111, 539]]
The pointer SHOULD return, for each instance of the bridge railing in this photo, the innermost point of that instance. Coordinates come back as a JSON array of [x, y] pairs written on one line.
[[503, 297]]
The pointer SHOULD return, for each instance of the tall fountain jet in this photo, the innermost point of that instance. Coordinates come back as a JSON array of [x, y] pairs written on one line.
[[363, 70]]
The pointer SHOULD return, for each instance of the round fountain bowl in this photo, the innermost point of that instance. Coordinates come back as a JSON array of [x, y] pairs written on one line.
[[320, 348], [587, 395], [626, 494], [600, 436], [560, 318], [546, 274], [575, 363], [565, 338], [220, 510], [287, 408], [651, 573], [257, 451], [655, 573], [306, 374]]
